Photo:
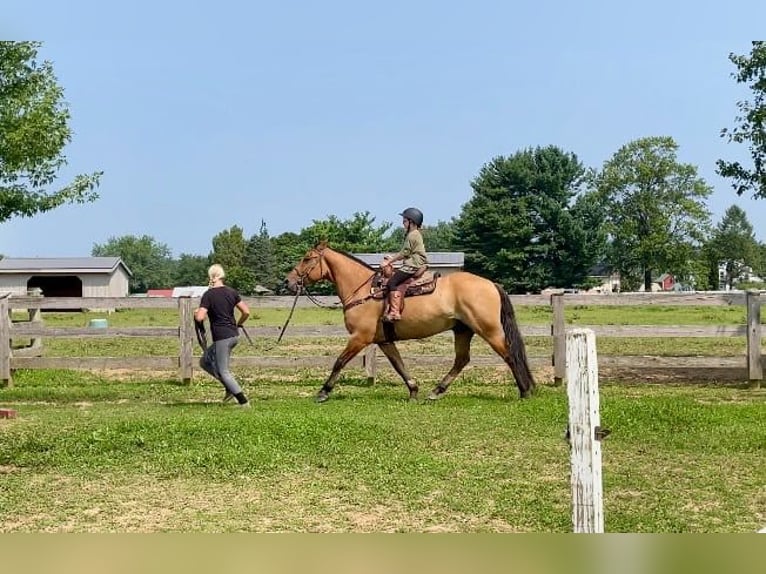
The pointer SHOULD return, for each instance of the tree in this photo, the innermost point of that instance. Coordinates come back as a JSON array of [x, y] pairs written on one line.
[[33, 132], [230, 251], [750, 124], [191, 269], [148, 260], [525, 226], [655, 211], [288, 248], [734, 246], [358, 234], [439, 237], [259, 257]]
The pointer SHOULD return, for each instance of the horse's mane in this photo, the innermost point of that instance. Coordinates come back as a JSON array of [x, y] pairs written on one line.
[[323, 244], [354, 258]]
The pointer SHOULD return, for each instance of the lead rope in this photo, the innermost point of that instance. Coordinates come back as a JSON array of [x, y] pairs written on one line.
[[284, 327]]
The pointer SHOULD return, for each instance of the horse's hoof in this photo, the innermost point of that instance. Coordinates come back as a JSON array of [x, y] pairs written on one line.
[[413, 398], [525, 395], [321, 397], [436, 395]]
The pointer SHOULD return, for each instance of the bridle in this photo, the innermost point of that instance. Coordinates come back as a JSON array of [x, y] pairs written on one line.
[[319, 258], [347, 303]]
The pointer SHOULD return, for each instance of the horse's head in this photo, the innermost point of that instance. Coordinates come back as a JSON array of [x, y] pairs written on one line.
[[310, 269]]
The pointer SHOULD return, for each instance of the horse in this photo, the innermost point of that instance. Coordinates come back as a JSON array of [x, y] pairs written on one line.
[[463, 302]]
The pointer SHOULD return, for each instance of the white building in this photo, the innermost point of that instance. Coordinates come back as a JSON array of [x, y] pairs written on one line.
[[65, 276], [443, 262]]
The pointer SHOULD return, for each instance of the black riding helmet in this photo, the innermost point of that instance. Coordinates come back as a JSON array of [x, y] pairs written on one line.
[[414, 215]]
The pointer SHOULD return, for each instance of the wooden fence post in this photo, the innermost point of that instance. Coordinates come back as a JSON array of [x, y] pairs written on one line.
[[186, 334], [584, 431], [35, 316], [5, 341], [754, 369], [558, 332], [370, 362]]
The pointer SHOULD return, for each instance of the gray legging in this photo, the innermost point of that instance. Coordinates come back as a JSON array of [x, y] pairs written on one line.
[[223, 350]]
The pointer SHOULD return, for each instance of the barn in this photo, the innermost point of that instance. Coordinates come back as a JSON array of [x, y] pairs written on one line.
[[65, 276], [443, 262]]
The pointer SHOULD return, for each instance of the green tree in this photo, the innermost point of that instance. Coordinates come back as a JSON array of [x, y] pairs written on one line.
[[148, 260], [439, 237], [191, 269], [734, 246], [34, 129], [525, 225], [750, 125], [230, 251], [359, 234], [288, 248], [759, 265], [259, 257], [656, 215]]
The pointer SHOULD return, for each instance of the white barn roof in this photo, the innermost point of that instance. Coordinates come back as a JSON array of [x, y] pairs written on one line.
[[189, 291], [435, 258], [14, 265]]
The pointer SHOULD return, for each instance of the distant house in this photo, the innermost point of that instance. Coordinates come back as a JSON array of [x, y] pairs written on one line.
[[745, 275], [666, 282], [606, 279], [189, 291], [159, 293], [196, 291], [444, 262], [66, 276]]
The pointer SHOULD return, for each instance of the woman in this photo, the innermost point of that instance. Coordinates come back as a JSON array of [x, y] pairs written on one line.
[[413, 258], [218, 304]]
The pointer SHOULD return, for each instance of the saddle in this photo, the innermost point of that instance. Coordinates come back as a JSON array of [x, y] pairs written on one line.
[[421, 283]]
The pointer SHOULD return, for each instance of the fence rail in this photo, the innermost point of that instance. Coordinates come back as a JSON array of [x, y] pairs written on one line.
[[748, 367]]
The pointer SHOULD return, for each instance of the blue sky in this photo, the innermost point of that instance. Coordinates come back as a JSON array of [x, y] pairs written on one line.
[[228, 113]]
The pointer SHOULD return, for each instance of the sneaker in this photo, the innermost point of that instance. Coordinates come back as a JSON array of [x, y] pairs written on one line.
[[228, 397]]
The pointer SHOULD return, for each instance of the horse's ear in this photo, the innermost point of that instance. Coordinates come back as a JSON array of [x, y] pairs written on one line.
[[322, 244]]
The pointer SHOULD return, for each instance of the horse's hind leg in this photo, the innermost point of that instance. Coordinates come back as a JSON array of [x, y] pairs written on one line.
[[463, 336], [392, 353], [353, 346]]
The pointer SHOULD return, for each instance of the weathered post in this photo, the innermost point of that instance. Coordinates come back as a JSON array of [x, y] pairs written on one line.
[[370, 362], [754, 369], [35, 317], [5, 341], [558, 332], [186, 334], [584, 431]]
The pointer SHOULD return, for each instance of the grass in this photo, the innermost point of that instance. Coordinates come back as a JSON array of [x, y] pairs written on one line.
[[90, 453], [140, 452]]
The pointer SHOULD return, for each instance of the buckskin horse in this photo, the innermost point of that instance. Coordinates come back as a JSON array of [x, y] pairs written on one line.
[[463, 302]]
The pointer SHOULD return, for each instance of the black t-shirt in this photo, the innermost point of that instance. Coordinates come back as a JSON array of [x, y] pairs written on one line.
[[220, 303]]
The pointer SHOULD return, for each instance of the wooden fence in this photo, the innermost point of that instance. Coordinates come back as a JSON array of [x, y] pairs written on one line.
[[749, 367]]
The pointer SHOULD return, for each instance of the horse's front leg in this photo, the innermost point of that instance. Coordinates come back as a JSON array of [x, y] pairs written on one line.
[[390, 350], [353, 346]]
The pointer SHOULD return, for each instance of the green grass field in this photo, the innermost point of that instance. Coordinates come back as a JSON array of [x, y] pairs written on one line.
[[141, 452]]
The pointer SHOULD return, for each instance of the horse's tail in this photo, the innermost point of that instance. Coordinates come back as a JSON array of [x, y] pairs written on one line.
[[516, 354]]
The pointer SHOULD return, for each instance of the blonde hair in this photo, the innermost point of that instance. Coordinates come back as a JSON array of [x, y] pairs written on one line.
[[214, 273]]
